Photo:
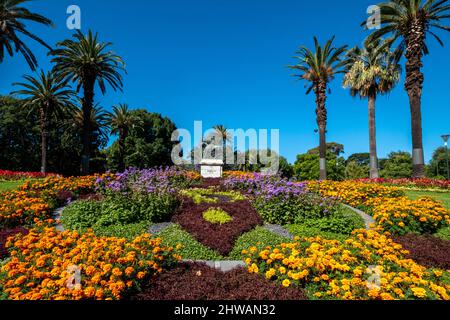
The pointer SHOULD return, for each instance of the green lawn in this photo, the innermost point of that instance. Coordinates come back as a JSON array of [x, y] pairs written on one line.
[[9, 185], [444, 197]]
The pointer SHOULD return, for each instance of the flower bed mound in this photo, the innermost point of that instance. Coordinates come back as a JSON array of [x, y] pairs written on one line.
[[5, 234], [46, 264], [198, 282], [217, 237], [426, 250]]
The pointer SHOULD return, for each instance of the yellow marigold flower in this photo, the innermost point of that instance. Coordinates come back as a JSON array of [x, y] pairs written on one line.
[[286, 283], [419, 292]]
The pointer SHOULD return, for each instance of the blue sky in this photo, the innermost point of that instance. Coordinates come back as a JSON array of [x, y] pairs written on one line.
[[224, 61]]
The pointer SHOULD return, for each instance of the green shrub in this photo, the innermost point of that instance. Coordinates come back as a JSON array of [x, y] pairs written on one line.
[[217, 216], [259, 237], [191, 248], [129, 231], [119, 210], [287, 210], [81, 214], [344, 221]]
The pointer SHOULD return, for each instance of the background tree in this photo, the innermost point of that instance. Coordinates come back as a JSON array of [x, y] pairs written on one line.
[[223, 132], [372, 70], [147, 145], [333, 147], [87, 62], [438, 164], [362, 159], [306, 167], [20, 140], [19, 136], [410, 22], [12, 26], [51, 97], [319, 68], [353, 170], [397, 165], [121, 121]]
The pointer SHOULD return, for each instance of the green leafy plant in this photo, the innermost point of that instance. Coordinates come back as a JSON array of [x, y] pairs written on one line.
[[174, 235], [118, 211], [282, 210], [211, 195], [260, 238], [444, 233], [217, 216], [344, 221]]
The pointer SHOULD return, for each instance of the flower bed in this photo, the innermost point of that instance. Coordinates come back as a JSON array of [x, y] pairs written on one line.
[[422, 183], [388, 205], [368, 265], [283, 202], [35, 199], [199, 282], [402, 216], [19, 175], [219, 237], [42, 263]]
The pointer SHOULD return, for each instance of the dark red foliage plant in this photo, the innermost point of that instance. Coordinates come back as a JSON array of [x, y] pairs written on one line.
[[193, 281], [218, 237], [426, 250]]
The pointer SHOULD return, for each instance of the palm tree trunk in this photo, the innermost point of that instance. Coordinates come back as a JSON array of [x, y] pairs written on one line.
[[122, 152], [321, 112], [44, 138], [414, 85], [372, 137], [87, 104]]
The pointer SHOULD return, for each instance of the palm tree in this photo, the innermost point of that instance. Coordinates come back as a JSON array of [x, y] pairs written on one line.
[[319, 68], [222, 131], [410, 22], [121, 121], [51, 97], [87, 62], [372, 70], [12, 18], [98, 120]]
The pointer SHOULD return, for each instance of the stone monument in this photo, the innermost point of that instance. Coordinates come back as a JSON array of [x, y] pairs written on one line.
[[211, 168]]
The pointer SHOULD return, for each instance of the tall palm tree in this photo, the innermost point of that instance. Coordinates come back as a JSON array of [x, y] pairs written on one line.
[[410, 22], [319, 69], [87, 62], [98, 120], [121, 121], [12, 18], [51, 97], [372, 70], [226, 136]]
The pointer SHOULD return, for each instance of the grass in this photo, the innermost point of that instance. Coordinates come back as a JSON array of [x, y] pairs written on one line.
[[9, 185], [444, 197]]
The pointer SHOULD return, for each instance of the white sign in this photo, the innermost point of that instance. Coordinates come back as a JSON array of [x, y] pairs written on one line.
[[211, 168]]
